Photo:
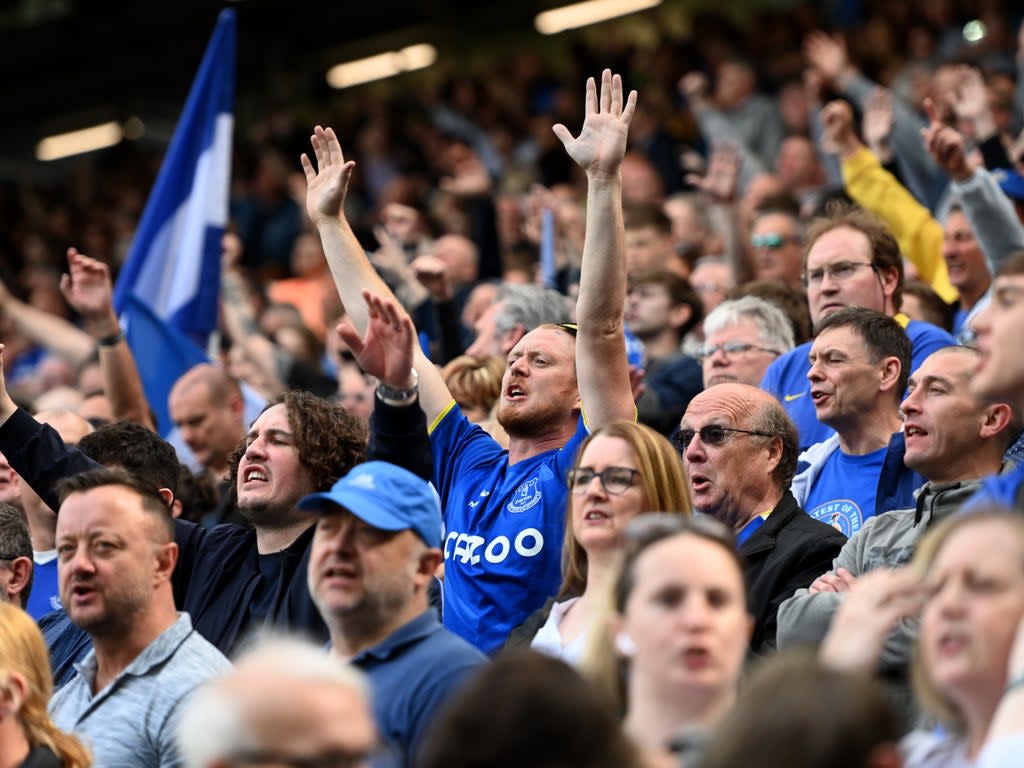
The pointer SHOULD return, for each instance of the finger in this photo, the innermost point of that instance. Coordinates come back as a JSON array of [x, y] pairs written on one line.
[[319, 148], [307, 168], [334, 146], [563, 134], [348, 334], [930, 110], [616, 95], [65, 285], [590, 99], [627, 113], [606, 90]]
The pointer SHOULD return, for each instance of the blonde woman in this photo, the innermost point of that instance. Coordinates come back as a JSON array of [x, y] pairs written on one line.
[[623, 470], [28, 738]]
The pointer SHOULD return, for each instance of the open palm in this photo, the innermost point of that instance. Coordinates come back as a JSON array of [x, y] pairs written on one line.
[[326, 184], [601, 145]]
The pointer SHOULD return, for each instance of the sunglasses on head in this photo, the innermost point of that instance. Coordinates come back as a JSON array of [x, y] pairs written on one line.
[[711, 434]]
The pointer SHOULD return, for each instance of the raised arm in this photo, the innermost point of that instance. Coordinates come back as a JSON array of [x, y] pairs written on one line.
[[87, 287], [601, 366], [351, 270], [46, 329]]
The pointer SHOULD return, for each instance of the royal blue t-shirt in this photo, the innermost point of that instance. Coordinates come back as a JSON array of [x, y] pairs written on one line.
[[504, 528], [786, 377], [45, 595], [843, 494]]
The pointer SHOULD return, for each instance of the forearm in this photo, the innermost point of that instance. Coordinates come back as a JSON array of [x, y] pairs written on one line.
[[351, 270], [992, 217], [50, 331], [236, 303]]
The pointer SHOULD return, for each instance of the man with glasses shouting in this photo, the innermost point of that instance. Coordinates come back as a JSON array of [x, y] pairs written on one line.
[[740, 453], [852, 260]]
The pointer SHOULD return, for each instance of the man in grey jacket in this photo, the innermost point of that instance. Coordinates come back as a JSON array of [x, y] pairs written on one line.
[[954, 442]]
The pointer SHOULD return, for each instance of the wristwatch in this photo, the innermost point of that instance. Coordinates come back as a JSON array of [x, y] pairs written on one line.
[[399, 396]]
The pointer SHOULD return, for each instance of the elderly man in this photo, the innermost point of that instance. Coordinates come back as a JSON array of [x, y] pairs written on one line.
[[852, 260], [954, 441], [742, 337], [740, 453], [285, 703], [116, 553], [15, 556], [375, 551], [859, 364], [504, 510]]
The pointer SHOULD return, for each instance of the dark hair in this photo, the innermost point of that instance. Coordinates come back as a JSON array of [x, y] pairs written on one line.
[[197, 493], [882, 244], [882, 336], [15, 540], [782, 706], [644, 532], [679, 291], [152, 501], [936, 311], [328, 439], [638, 215], [525, 708], [136, 449]]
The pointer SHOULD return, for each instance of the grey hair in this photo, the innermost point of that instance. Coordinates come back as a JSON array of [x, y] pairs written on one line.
[[215, 723], [530, 306], [776, 330]]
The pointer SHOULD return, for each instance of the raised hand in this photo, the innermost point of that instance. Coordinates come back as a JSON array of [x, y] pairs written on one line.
[[945, 145], [601, 145], [722, 177], [878, 120], [88, 289], [433, 275], [827, 55], [470, 177], [327, 184], [387, 350], [837, 120]]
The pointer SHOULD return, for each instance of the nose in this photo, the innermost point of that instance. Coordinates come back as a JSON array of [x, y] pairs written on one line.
[[982, 322], [951, 599], [718, 358], [519, 366], [910, 404], [595, 488], [77, 562], [256, 449], [814, 373], [693, 612], [828, 284]]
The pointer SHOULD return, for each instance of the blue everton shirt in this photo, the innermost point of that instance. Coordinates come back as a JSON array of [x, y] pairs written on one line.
[[504, 528], [843, 494], [786, 377], [1002, 489], [45, 595]]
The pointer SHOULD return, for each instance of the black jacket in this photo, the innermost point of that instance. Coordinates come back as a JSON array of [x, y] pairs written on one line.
[[788, 552], [217, 571]]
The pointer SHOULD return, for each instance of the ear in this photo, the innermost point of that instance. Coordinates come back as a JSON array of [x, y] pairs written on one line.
[[890, 368], [426, 567], [236, 403], [680, 315], [177, 508], [21, 574], [167, 495], [889, 278], [13, 691], [994, 420], [750, 627], [166, 559], [774, 453]]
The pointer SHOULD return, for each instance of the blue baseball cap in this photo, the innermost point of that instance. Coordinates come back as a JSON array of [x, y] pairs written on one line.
[[1011, 182], [387, 497]]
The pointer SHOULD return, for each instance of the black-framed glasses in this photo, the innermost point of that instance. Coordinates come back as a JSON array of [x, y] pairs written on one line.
[[839, 272], [614, 480], [731, 348], [711, 434]]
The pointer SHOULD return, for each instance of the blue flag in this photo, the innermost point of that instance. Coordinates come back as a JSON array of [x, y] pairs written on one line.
[[168, 291]]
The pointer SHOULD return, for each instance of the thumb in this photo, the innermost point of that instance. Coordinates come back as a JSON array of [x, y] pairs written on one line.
[[351, 337], [563, 134], [930, 110]]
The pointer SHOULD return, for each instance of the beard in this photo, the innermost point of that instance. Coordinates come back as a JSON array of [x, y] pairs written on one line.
[[531, 421]]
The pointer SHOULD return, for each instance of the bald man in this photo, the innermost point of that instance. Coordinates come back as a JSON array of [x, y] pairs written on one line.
[[207, 407], [740, 452]]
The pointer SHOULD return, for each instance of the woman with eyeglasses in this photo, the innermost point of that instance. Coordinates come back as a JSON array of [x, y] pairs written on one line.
[[679, 623], [28, 738], [623, 470]]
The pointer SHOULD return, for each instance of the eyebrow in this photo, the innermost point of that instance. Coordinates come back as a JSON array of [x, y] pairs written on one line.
[[932, 379], [1005, 290], [273, 431]]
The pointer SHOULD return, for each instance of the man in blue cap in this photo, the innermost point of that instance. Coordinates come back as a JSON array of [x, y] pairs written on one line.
[[375, 550]]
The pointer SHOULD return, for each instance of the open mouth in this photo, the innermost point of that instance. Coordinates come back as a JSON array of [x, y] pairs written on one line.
[[818, 397], [515, 392], [254, 474]]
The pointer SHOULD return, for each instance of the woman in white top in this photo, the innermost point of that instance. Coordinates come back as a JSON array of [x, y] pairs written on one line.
[[973, 569], [623, 470]]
